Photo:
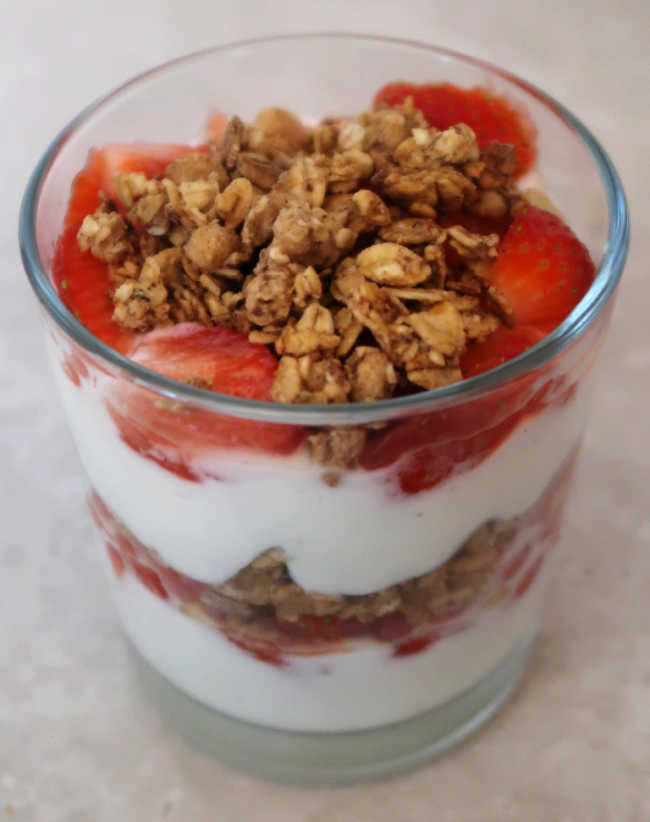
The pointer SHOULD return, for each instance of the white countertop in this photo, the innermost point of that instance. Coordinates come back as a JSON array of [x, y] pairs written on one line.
[[77, 741]]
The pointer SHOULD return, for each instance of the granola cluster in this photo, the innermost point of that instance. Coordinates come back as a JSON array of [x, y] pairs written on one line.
[[467, 579], [326, 245]]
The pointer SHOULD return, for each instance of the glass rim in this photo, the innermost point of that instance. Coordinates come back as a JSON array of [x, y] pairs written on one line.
[[596, 298]]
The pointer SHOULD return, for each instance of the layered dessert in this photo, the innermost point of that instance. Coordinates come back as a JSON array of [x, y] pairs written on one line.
[[346, 575]]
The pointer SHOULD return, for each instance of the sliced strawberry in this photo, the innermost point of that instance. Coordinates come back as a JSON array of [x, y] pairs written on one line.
[[82, 281], [104, 164], [430, 465], [502, 345], [414, 646], [542, 268], [116, 560], [150, 579], [393, 94], [84, 287], [262, 651], [223, 360], [490, 116]]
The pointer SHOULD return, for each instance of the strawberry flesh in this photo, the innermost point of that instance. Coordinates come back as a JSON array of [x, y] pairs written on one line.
[[490, 116], [220, 360], [542, 268]]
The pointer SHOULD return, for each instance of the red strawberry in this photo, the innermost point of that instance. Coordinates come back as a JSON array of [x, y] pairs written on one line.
[[150, 579], [490, 116], [430, 465], [414, 646], [225, 360], [81, 280], [105, 163], [228, 363], [84, 287], [116, 560], [502, 345], [542, 268]]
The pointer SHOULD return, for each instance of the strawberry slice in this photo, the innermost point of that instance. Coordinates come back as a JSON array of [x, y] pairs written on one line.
[[542, 268], [490, 116], [502, 345], [82, 281], [104, 164], [218, 359], [84, 286], [221, 359]]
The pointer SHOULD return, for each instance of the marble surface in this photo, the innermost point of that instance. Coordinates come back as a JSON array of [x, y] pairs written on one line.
[[77, 742]]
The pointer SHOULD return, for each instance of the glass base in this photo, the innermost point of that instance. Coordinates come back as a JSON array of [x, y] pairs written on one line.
[[333, 759]]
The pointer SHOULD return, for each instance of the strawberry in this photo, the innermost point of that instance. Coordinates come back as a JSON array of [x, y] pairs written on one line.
[[149, 578], [490, 116], [430, 465], [105, 163], [117, 562], [430, 447], [414, 646], [220, 360], [542, 268], [502, 345], [84, 286], [82, 281]]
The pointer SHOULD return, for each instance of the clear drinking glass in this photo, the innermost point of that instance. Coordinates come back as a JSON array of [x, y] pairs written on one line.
[[428, 565]]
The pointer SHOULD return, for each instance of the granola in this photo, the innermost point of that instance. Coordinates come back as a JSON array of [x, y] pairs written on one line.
[[464, 580], [336, 246]]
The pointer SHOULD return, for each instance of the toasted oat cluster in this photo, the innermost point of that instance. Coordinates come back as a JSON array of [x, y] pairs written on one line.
[[466, 579], [326, 245]]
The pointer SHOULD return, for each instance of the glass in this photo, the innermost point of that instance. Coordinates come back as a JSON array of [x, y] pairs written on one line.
[[321, 624]]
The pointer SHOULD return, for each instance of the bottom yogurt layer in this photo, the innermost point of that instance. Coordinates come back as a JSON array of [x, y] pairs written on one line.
[[364, 688]]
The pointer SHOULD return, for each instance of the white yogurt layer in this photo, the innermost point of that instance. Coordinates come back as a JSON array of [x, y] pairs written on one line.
[[338, 692], [354, 538]]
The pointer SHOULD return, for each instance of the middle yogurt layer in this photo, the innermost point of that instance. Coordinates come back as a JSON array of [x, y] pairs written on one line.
[[355, 537]]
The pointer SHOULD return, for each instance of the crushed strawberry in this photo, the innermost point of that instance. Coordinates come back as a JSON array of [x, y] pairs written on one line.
[[491, 116], [216, 358], [542, 268], [413, 646]]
